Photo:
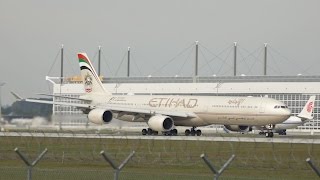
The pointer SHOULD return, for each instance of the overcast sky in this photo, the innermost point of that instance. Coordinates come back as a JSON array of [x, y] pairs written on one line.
[[32, 31]]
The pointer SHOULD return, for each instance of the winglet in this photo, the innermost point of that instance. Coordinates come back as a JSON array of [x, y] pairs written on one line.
[[306, 113], [16, 96]]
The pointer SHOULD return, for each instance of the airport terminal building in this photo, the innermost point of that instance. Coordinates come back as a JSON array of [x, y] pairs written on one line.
[[294, 91]]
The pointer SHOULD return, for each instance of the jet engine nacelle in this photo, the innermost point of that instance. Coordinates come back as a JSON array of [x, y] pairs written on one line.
[[161, 123], [100, 116], [238, 128]]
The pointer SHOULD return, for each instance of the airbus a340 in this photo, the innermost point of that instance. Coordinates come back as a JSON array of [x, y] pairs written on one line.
[[163, 113]]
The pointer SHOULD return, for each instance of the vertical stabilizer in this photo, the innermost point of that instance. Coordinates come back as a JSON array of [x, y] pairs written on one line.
[[91, 81], [306, 112]]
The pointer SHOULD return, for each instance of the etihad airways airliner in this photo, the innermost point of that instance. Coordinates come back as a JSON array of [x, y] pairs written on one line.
[[162, 113]]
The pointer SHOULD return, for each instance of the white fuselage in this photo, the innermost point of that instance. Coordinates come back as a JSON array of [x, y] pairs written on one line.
[[208, 109]]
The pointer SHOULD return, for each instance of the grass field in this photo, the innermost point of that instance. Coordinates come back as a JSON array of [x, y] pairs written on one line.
[[79, 158]]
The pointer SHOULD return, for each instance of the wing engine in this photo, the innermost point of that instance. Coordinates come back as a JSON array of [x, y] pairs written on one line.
[[100, 116], [161, 123], [238, 128]]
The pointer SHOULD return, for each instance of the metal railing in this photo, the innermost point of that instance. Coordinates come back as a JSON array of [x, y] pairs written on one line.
[[203, 79]]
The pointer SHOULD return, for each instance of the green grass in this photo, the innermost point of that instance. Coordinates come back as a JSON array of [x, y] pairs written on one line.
[[79, 158]]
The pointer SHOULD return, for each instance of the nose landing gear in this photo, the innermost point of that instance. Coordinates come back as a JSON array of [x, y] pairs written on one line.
[[268, 133]]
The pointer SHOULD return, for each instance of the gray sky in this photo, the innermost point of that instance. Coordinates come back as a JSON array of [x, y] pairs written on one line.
[[32, 31]]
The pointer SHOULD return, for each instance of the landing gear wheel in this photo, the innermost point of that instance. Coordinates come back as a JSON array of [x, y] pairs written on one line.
[[174, 132], [193, 132], [269, 134], [198, 132], [144, 132], [150, 131], [187, 132]]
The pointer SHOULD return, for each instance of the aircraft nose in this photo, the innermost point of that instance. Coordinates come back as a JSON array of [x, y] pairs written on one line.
[[286, 112]]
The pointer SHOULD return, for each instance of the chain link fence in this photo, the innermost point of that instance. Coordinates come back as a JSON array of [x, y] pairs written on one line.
[[76, 155]]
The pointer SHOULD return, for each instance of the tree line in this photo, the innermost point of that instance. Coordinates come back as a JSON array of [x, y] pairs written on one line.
[[28, 109]]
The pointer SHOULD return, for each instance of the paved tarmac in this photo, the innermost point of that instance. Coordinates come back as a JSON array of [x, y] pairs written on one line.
[[212, 137]]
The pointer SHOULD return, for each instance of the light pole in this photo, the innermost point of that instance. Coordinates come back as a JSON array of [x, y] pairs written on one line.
[[1, 84]]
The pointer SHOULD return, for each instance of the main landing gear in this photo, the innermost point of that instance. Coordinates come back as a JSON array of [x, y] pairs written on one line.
[[149, 131], [172, 132], [193, 132]]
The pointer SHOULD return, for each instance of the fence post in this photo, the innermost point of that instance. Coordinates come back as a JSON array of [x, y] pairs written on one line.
[[30, 165], [313, 166], [216, 173], [116, 168]]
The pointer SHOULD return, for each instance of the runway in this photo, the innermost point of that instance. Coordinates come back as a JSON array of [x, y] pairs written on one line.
[[214, 137]]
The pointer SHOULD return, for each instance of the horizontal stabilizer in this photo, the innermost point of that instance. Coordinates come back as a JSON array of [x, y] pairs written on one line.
[[16, 96]]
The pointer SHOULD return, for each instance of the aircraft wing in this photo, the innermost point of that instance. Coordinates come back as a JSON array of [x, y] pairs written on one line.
[[77, 105], [66, 97], [147, 111], [125, 110]]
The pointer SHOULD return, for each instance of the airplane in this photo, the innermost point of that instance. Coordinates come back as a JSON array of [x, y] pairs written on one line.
[[163, 112], [292, 122]]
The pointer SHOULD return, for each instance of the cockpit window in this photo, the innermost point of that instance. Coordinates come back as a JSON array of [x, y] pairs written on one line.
[[282, 107]]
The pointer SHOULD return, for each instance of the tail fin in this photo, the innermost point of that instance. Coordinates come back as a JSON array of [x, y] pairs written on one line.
[[92, 83], [306, 113]]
